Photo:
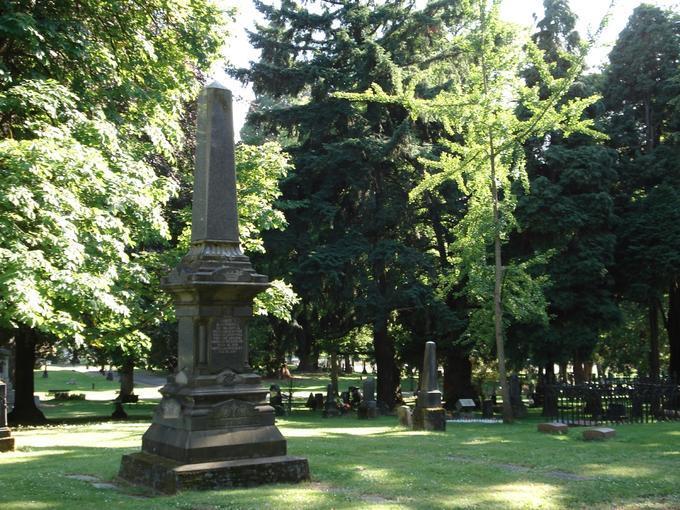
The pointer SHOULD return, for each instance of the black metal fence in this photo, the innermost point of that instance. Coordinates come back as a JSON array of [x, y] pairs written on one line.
[[624, 400]]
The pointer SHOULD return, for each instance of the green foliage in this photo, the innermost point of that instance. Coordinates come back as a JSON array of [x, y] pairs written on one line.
[[91, 100], [478, 116]]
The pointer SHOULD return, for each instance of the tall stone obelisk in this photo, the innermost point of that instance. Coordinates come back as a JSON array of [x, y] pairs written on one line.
[[213, 427], [429, 413]]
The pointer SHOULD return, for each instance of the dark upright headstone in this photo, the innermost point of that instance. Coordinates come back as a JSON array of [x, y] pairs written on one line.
[[213, 427], [519, 410], [276, 400], [429, 413], [6, 439], [330, 407], [368, 408]]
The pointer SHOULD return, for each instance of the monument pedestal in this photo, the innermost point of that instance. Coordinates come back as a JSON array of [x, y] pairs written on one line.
[[425, 418], [6, 440], [429, 413], [213, 428], [168, 476]]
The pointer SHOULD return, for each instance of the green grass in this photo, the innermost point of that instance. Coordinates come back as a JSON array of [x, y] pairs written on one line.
[[361, 464]]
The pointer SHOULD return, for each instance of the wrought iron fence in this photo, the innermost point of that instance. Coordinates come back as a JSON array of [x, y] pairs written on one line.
[[623, 400]]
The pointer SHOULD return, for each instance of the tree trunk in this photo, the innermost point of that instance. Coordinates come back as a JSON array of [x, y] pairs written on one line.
[[579, 372], [127, 382], [305, 344], [387, 368], [654, 362], [25, 411], [673, 329], [349, 369], [335, 370], [457, 377], [498, 261]]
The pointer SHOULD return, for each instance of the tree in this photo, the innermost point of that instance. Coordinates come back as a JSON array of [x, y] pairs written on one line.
[[640, 89], [567, 216], [88, 93], [352, 249], [484, 139]]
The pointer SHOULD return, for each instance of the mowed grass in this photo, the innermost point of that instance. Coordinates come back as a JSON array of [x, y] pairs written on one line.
[[369, 464]]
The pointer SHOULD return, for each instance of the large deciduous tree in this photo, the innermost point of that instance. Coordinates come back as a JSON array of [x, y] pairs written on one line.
[[90, 101]]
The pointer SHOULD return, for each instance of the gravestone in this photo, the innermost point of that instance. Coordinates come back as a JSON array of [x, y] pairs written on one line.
[[405, 416], [465, 408], [554, 427], [487, 408], [213, 427], [276, 400], [6, 439], [519, 410], [368, 408], [598, 433], [429, 413], [4, 377]]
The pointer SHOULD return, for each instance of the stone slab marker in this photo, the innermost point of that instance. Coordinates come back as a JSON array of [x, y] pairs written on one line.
[[598, 433], [213, 427], [368, 408], [429, 413], [6, 439], [554, 427]]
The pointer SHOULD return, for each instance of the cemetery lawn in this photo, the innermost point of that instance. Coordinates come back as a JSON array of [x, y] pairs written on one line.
[[361, 464]]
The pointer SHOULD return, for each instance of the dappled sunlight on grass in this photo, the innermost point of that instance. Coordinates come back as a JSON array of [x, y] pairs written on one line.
[[618, 471], [24, 505], [367, 464], [486, 440], [524, 495]]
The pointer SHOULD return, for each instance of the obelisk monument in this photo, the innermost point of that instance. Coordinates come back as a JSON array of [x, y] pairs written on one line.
[[213, 427], [429, 413]]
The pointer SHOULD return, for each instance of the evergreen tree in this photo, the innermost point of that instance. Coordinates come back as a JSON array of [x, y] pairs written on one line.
[[352, 247], [568, 215], [641, 89]]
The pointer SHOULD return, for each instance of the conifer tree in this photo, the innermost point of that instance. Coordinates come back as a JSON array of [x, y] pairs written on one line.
[[352, 248]]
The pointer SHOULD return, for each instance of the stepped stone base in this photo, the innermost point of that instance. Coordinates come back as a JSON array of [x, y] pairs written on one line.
[[425, 418], [6, 440], [168, 476]]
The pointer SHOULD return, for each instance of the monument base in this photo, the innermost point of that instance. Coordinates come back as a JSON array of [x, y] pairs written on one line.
[[6, 440], [428, 418], [168, 476]]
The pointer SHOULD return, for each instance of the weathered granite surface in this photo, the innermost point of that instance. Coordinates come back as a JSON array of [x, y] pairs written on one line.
[[214, 409]]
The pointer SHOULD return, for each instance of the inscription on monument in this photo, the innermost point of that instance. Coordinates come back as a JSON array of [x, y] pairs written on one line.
[[227, 336]]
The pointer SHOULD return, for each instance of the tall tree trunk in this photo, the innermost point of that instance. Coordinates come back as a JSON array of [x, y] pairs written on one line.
[[127, 381], [335, 371], [673, 329], [654, 362], [387, 368], [305, 343], [349, 369], [498, 261], [457, 377], [25, 411]]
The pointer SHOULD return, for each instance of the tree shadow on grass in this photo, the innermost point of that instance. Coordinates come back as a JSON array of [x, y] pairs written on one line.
[[358, 464]]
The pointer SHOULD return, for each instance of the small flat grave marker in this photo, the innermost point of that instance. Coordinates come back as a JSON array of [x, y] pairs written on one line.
[[598, 433], [553, 428]]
